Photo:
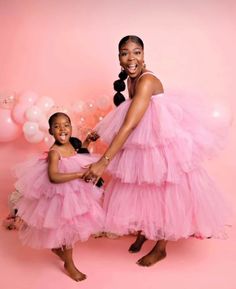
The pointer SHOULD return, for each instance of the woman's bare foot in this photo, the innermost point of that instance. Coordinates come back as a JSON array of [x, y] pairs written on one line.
[[59, 252], [151, 258], [137, 245], [74, 273], [157, 253]]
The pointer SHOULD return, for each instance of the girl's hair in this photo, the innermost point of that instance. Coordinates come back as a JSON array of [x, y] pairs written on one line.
[[55, 115], [119, 85]]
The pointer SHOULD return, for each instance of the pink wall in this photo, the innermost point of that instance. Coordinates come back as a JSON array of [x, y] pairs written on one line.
[[67, 49]]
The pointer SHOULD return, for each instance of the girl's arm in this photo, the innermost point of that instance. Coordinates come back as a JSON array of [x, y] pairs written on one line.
[[145, 88], [54, 175]]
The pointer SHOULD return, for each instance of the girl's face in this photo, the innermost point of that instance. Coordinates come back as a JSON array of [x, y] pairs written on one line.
[[61, 129], [131, 58]]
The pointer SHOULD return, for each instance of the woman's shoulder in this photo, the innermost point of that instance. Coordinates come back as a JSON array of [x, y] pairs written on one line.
[[150, 78]]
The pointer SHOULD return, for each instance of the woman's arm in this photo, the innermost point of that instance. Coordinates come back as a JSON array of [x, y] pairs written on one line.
[[54, 175], [145, 88]]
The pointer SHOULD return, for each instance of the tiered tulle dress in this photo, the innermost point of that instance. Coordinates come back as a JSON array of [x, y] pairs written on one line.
[[158, 185], [57, 215]]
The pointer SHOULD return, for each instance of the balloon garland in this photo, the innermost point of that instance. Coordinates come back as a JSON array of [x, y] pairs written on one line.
[[27, 114]]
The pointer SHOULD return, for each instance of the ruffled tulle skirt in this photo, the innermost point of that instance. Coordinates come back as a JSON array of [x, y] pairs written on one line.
[[158, 185], [57, 215]]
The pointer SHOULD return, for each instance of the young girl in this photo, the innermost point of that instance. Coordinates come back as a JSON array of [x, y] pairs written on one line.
[[57, 207], [156, 145]]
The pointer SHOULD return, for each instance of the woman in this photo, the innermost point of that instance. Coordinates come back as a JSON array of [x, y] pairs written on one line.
[[158, 186]]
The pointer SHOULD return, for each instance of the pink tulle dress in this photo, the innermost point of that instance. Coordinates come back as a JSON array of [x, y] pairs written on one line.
[[158, 185], [57, 215]]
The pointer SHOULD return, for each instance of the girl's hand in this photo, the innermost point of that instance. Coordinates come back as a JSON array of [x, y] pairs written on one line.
[[95, 171], [92, 136]]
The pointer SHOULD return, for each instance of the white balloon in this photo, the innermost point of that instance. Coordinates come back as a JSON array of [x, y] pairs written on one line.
[[36, 138], [45, 103], [43, 123], [33, 113], [30, 128]]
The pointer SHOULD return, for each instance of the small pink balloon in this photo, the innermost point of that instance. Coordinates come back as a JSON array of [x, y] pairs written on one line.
[[9, 130], [78, 106], [43, 123], [36, 138], [49, 140], [7, 99], [18, 113], [103, 102], [45, 103], [28, 97]]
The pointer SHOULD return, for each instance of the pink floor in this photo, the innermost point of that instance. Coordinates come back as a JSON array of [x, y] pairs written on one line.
[[190, 264]]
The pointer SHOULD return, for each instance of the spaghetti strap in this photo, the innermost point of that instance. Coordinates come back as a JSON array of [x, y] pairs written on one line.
[[146, 72]]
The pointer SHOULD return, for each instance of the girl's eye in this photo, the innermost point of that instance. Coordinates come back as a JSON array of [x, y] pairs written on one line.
[[137, 52], [123, 53]]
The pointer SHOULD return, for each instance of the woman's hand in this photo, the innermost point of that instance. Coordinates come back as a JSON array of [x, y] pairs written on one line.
[[95, 171]]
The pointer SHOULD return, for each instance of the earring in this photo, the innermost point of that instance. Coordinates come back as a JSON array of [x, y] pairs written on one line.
[[144, 65]]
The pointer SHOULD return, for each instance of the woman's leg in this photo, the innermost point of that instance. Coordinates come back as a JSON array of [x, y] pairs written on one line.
[[157, 253], [137, 245]]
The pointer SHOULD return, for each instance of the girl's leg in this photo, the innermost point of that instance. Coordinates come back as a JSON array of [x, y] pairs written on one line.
[[59, 252], [157, 253], [69, 265], [137, 245]]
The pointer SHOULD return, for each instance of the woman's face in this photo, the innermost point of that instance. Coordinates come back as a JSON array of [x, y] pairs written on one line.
[[131, 56]]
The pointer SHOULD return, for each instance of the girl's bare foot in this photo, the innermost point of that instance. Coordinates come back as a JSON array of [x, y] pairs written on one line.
[[74, 273], [137, 245], [59, 252]]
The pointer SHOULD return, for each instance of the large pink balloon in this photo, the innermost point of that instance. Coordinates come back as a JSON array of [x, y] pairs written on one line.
[[18, 113], [8, 129]]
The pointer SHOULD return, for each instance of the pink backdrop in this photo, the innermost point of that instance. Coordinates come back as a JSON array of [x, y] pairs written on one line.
[[67, 49]]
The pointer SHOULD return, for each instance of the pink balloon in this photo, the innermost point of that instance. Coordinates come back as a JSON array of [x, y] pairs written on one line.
[[43, 123], [7, 99], [45, 103], [8, 129], [78, 106], [18, 113], [49, 140], [28, 97]]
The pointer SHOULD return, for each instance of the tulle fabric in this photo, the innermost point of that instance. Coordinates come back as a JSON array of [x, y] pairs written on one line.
[[158, 184], [57, 215]]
